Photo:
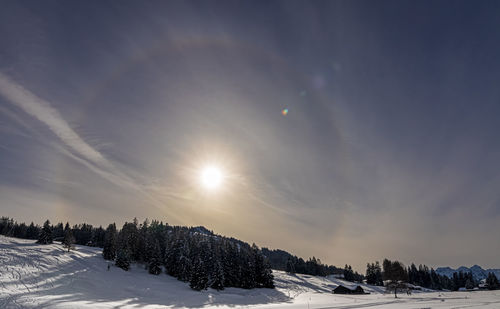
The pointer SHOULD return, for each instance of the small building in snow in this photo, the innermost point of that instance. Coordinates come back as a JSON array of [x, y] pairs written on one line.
[[345, 290]]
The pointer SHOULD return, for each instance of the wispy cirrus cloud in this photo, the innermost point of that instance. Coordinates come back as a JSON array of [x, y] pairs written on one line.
[[44, 112], [76, 148], [72, 145]]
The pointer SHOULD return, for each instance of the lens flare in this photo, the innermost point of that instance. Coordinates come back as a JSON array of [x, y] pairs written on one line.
[[284, 112]]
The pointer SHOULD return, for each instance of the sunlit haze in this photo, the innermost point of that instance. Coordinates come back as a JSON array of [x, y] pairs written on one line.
[[345, 130]]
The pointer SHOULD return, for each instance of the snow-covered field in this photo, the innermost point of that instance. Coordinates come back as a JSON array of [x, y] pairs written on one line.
[[35, 276]]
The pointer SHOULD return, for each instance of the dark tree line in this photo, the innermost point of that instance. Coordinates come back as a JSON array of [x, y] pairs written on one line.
[[9, 227], [395, 272], [463, 280], [395, 275], [193, 255], [282, 260], [82, 234], [428, 278]]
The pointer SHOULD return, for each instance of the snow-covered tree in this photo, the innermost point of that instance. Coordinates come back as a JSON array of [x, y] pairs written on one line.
[[199, 276], [69, 240], [154, 266], [45, 236]]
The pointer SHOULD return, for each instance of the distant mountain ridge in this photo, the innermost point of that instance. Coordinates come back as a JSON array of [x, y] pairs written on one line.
[[477, 271]]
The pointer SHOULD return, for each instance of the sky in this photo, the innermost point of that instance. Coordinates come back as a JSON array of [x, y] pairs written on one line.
[[110, 110]]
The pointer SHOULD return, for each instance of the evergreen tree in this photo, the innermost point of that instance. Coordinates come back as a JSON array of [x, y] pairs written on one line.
[[214, 265], [69, 239], [266, 278], [110, 238], [492, 282], [123, 259], [154, 266], [32, 232], [98, 235], [219, 261], [145, 244], [45, 236], [172, 257], [263, 274], [290, 267], [216, 280], [369, 274], [348, 273], [199, 276], [378, 274], [58, 231], [469, 284], [127, 238], [373, 274], [230, 264]]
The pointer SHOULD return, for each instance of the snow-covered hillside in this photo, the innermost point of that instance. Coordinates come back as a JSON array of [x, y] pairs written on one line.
[[35, 276]]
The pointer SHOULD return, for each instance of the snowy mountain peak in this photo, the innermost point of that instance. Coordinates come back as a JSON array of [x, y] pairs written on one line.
[[477, 271]]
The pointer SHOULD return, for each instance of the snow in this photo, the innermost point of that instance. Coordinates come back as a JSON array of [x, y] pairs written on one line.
[[477, 271], [37, 276]]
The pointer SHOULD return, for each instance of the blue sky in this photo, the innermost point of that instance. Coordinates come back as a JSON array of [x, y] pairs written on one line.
[[109, 110]]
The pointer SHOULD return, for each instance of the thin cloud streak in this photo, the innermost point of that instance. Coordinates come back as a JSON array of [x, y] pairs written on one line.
[[44, 112], [82, 151]]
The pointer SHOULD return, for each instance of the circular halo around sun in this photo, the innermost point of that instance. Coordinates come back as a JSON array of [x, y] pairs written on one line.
[[211, 177]]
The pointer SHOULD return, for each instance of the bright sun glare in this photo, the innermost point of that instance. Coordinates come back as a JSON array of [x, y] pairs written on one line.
[[211, 177]]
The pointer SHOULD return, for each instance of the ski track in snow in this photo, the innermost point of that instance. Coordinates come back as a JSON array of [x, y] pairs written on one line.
[[37, 276]]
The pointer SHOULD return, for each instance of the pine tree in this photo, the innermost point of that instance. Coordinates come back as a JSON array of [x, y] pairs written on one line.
[[211, 254], [58, 231], [247, 272], [69, 239], [32, 232], [127, 238], [230, 265], [154, 265], [172, 257], [45, 236], [378, 274], [199, 277], [492, 282], [369, 274], [110, 237], [290, 267], [348, 273], [469, 285], [143, 241], [216, 280], [266, 277], [263, 274], [123, 259]]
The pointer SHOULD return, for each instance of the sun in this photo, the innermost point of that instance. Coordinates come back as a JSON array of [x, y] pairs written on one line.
[[211, 177]]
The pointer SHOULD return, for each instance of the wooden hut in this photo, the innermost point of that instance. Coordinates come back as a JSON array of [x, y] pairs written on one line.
[[345, 290]]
